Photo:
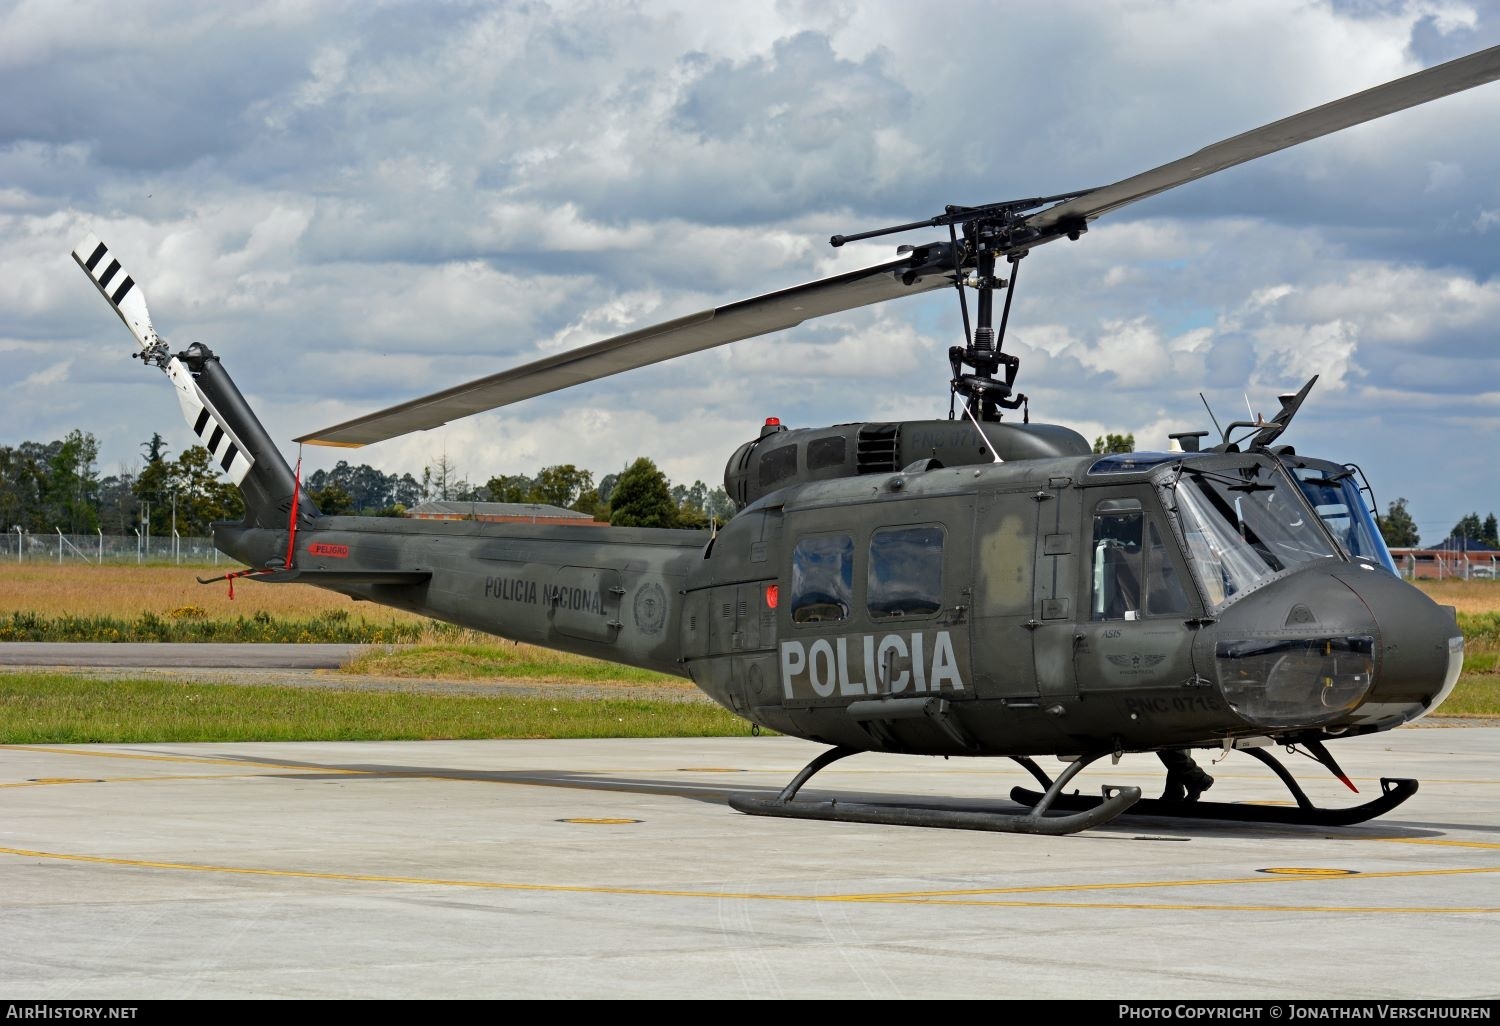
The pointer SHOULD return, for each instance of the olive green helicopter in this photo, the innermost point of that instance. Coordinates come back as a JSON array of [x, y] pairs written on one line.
[[961, 586]]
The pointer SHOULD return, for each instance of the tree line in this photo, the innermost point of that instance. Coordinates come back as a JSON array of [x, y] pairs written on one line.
[[45, 486], [1400, 531], [49, 485], [640, 495]]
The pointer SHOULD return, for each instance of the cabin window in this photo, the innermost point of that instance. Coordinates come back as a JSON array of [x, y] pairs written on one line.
[[905, 572], [822, 578], [778, 465], [826, 452]]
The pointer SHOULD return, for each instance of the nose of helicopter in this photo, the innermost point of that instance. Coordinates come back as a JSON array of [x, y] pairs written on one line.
[[1346, 646], [1420, 646]]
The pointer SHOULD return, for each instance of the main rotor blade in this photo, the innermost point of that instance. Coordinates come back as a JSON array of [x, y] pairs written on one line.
[[1421, 87], [924, 269]]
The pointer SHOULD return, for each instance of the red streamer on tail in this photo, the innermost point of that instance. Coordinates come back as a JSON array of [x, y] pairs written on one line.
[[291, 531], [238, 573]]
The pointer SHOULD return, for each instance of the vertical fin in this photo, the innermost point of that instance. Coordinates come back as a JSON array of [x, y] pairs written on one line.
[[209, 425]]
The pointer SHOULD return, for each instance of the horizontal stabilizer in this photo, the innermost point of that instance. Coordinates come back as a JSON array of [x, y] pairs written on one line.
[[337, 577]]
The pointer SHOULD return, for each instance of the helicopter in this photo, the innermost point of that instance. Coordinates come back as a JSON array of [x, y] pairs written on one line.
[[969, 586]]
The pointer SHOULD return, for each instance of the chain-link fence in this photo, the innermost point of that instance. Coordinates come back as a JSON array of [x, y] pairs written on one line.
[[18, 546], [1441, 564]]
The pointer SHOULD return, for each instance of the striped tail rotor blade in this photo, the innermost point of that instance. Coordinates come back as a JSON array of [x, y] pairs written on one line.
[[118, 287], [127, 299], [208, 424]]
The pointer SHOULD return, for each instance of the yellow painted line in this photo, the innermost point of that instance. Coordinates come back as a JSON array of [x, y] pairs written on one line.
[[1437, 841], [255, 769], [54, 781], [600, 785], [482, 776], [416, 880], [1143, 907], [600, 820], [912, 898], [143, 757], [1213, 882]]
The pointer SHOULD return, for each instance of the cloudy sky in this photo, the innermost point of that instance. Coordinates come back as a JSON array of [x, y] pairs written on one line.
[[355, 204]]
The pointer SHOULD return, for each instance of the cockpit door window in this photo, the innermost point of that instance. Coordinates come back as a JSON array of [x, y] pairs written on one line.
[[1118, 565], [1133, 574]]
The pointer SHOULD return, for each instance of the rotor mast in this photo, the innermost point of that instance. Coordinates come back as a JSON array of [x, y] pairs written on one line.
[[982, 372], [984, 393]]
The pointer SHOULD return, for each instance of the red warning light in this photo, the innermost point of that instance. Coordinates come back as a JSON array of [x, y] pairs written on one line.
[[773, 422], [773, 593]]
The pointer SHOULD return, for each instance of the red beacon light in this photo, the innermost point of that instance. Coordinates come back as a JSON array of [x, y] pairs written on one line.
[[772, 425], [773, 595]]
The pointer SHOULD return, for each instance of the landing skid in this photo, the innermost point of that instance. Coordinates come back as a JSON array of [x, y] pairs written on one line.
[[1112, 801], [1394, 791]]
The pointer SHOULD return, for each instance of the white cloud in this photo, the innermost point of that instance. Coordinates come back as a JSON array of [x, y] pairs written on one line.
[[52, 375], [1326, 350]]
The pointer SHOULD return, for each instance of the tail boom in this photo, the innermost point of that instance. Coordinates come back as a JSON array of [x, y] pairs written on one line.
[[613, 593]]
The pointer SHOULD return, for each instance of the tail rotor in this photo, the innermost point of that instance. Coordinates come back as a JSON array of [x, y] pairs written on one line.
[[220, 418], [129, 302]]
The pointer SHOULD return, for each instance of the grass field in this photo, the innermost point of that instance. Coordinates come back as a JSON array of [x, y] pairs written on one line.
[[166, 603], [1468, 597], [75, 589], [46, 708]]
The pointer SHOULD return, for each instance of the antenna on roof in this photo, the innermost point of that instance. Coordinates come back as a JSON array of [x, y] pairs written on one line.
[[1211, 416]]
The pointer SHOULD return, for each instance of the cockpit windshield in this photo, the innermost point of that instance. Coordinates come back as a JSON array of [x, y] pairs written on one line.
[[1337, 499], [1244, 524]]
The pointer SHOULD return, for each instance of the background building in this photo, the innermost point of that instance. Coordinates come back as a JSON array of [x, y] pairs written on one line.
[[502, 513]]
